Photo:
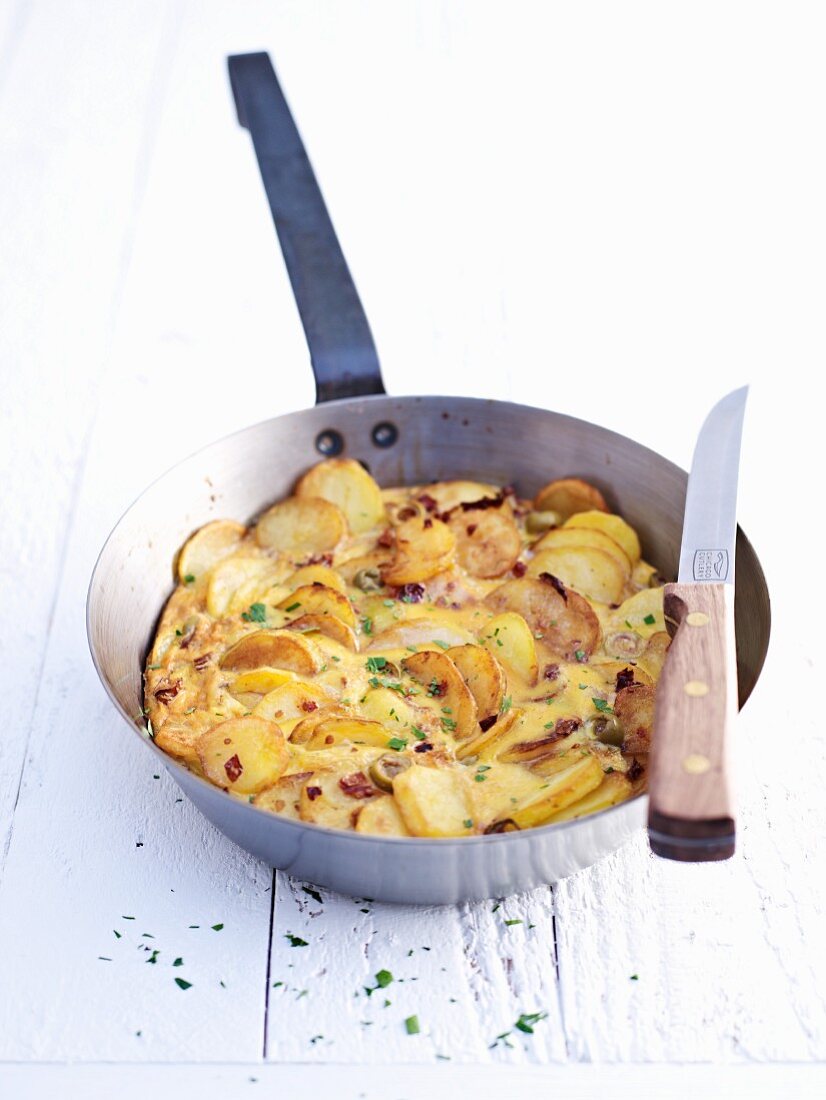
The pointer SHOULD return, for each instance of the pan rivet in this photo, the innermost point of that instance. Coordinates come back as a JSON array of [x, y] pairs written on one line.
[[696, 764], [384, 434], [697, 618], [329, 442], [695, 688]]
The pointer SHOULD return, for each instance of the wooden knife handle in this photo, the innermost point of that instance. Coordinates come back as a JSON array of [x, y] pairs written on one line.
[[691, 808]]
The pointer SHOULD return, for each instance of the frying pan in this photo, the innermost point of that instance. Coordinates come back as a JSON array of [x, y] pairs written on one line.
[[401, 440]]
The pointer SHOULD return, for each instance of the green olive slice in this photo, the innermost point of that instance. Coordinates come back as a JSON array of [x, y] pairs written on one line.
[[384, 770]]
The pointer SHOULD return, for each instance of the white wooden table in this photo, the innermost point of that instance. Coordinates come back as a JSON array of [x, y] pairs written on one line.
[[612, 211]]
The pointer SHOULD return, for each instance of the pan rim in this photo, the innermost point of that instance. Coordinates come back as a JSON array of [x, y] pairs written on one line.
[[173, 766]]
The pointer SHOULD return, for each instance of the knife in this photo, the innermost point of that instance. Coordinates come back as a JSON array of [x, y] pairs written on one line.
[[691, 814]]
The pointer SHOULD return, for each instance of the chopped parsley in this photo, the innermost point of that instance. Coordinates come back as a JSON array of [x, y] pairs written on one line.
[[376, 664], [628, 625], [257, 613], [507, 702], [527, 1020], [441, 645], [448, 724], [216, 927], [602, 706], [182, 983], [419, 734], [189, 578], [367, 625], [295, 941], [389, 603], [397, 743], [634, 978], [412, 1025], [468, 823], [580, 655], [649, 620], [510, 922], [293, 606], [178, 962], [383, 979]]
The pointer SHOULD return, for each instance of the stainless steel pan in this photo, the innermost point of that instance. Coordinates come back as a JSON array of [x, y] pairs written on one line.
[[401, 439]]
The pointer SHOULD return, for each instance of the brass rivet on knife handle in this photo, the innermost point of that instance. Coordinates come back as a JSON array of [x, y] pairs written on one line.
[[691, 814]]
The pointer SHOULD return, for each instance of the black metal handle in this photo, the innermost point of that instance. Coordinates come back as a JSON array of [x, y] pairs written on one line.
[[343, 355]]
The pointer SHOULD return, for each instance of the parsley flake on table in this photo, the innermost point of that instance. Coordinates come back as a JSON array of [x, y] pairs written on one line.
[[178, 962], [216, 927], [412, 1025], [182, 983], [526, 1021], [295, 941], [384, 978], [514, 921]]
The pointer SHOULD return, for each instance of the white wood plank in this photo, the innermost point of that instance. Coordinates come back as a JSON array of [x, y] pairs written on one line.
[[484, 1082], [464, 973], [75, 126]]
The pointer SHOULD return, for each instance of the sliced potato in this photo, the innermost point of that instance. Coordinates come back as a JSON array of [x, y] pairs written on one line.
[[178, 736], [393, 711], [228, 576], [511, 640], [345, 483], [500, 787], [424, 547], [487, 540], [586, 569], [610, 669], [284, 796], [243, 754], [373, 562], [317, 599], [381, 817], [485, 741], [428, 630], [328, 625], [450, 494], [335, 795], [316, 574], [558, 791], [210, 544], [442, 682], [274, 649], [262, 587], [301, 525], [634, 709], [303, 730], [567, 496], [642, 612], [614, 788], [653, 656], [337, 730], [435, 802], [545, 742], [261, 681], [483, 675], [292, 699], [585, 536], [564, 619], [614, 526]]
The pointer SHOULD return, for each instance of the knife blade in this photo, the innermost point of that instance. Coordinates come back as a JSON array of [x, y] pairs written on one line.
[[710, 523], [691, 813]]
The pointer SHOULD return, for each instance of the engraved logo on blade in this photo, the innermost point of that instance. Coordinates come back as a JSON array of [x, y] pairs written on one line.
[[710, 565]]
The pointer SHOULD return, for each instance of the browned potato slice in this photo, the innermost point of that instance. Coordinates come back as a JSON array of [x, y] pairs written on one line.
[[424, 547], [328, 625], [614, 788], [585, 536], [317, 599], [584, 568], [381, 817], [509, 637], [614, 526], [487, 540], [486, 739], [292, 700], [303, 731], [567, 496], [443, 682], [316, 574], [274, 649], [483, 675], [565, 620], [337, 730], [243, 754], [634, 709], [209, 545], [284, 796], [559, 790], [435, 802], [345, 483], [300, 526], [554, 740], [653, 656], [335, 797], [626, 670], [227, 578], [178, 736]]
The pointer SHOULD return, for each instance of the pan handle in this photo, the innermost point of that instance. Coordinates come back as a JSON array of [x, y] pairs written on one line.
[[343, 355]]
